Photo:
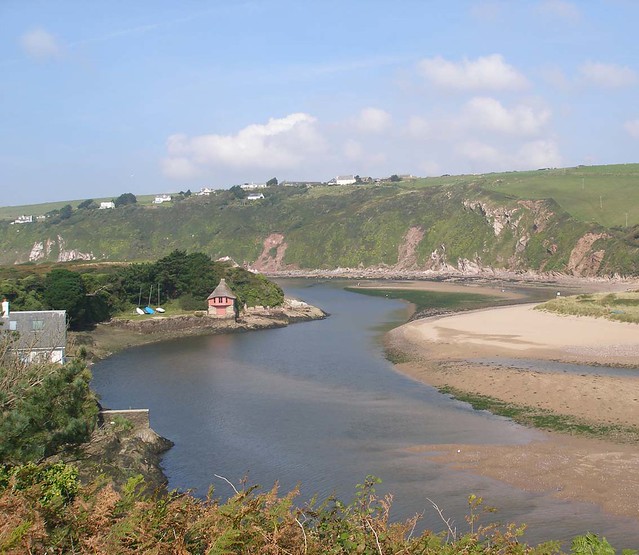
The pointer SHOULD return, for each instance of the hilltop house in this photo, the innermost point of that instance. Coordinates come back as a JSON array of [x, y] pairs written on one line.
[[255, 196], [204, 192], [345, 180], [107, 205], [35, 335], [252, 186], [221, 303], [159, 199], [23, 220]]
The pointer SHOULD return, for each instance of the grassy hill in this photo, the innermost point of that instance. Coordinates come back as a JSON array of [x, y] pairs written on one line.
[[569, 220]]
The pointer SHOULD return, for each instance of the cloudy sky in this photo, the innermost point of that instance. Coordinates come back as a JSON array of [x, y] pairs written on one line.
[[105, 97]]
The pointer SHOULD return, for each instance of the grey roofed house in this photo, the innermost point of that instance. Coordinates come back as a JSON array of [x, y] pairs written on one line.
[[40, 335]]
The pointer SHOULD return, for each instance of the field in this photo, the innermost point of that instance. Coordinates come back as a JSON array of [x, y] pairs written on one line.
[[603, 194], [623, 307], [12, 212]]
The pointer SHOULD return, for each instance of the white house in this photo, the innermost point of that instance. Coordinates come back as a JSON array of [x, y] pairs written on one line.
[[253, 186], [23, 220], [255, 196], [159, 199], [204, 192], [345, 180], [35, 335], [107, 205]]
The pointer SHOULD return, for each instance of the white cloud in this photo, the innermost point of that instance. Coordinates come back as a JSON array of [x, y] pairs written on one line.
[[487, 157], [632, 127], [608, 75], [560, 9], [538, 154], [484, 73], [490, 114], [476, 151], [373, 120], [41, 45], [281, 143]]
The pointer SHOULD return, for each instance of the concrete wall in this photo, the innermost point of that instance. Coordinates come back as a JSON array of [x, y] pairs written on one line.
[[138, 417]]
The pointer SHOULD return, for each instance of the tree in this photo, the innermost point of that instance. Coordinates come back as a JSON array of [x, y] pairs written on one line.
[[66, 212], [394, 178], [124, 199], [64, 290], [87, 204], [238, 192], [272, 182]]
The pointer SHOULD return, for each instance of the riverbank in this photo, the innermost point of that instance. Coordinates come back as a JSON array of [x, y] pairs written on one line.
[[461, 353], [122, 333]]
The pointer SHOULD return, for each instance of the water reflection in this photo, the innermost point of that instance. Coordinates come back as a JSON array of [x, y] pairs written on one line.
[[316, 404]]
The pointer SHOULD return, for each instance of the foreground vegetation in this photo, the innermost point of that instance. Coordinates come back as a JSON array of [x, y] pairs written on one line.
[[46, 510], [623, 307]]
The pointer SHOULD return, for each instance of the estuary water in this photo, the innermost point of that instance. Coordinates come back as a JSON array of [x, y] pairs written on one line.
[[317, 405]]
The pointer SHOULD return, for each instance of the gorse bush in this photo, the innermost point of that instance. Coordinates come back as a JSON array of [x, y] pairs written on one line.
[[45, 510]]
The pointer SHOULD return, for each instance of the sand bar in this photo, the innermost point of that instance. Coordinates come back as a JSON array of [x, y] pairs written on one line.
[[441, 352]]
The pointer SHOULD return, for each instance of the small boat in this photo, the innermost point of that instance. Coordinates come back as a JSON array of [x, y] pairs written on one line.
[[159, 308], [148, 310], [137, 308]]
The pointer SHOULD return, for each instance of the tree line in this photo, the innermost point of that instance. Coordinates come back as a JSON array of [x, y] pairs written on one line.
[[98, 293]]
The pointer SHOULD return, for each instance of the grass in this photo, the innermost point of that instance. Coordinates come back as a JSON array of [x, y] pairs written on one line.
[[12, 212], [622, 307], [544, 419], [425, 300], [602, 194]]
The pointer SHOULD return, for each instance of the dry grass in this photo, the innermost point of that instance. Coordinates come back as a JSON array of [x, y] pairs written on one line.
[[622, 307]]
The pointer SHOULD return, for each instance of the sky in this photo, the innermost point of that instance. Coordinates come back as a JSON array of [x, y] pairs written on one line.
[[105, 97]]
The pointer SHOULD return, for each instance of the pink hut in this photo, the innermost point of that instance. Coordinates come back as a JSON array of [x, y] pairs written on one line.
[[221, 303]]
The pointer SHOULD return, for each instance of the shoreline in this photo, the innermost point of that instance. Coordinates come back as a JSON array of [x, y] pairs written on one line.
[[123, 333], [446, 352]]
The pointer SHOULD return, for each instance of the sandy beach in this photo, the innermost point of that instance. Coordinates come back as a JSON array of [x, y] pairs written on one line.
[[444, 351]]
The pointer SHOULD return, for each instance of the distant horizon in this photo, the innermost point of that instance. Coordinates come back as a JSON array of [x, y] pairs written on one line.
[[107, 198], [158, 96]]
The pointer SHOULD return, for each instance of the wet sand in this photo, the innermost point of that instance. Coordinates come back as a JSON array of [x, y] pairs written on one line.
[[440, 352]]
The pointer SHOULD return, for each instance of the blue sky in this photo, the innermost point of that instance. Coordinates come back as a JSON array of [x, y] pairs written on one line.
[[100, 98]]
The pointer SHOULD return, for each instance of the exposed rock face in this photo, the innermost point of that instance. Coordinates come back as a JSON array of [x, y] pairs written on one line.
[[272, 257], [42, 250], [498, 217], [583, 260], [407, 251], [120, 452]]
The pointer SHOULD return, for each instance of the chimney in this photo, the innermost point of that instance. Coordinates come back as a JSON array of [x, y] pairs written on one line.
[[5, 308]]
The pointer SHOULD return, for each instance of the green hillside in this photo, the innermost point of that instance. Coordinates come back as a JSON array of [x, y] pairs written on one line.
[[547, 220]]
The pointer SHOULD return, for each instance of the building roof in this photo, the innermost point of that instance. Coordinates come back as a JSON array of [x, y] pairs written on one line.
[[37, 330], [222, 290]]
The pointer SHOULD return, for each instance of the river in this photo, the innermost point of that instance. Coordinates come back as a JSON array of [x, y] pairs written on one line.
[[317, 404]]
